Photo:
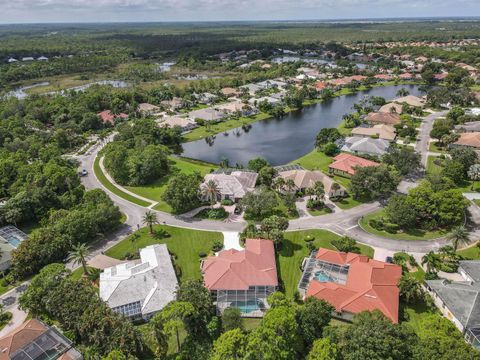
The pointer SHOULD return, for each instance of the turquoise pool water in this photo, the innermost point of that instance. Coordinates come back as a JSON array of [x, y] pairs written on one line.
[[14, 241], [246, 306], [322, 277]]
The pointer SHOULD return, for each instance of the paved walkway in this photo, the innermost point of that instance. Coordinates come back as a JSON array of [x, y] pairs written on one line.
[[231, 240]]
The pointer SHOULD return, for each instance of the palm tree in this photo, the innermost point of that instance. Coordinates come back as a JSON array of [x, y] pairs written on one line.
[[432, 261], [459, 235], [319, 190], [78, 255], [279, 183], [335, 187], [149, 219], [133, 240], [474, 173], [290, 184], [410, 289], [211, 192]]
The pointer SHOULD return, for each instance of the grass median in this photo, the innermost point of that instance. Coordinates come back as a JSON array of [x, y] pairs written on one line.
[[105, 182]]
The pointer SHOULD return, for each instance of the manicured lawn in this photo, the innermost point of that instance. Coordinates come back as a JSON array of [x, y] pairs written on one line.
[[317, 160], [78, 272], [348, 203], [434, 148], [471, 253], [433, 168], [202, 131], [414, 234], [294, 250], [186, 244], [179, 165], [415, 313], [103, 179]]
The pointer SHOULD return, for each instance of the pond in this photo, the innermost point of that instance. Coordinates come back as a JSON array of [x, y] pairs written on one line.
[[282, 140]]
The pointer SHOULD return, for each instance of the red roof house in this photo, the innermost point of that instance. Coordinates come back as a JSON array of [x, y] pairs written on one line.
[[369, 284], [108, 116], [321, 85], [345, 164], [406, 76], [383, 77], [244, 278]]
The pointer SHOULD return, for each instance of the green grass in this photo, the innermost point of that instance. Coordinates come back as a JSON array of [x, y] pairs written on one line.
[[294, 250], [155, 190], [415, 314], [477, 201], [433, 168], [414, 234], [434, 148], [251, 323], [103, 179], [203, 131], [471, 253], [317, 160], [78, 273], [186, 244], [150, 346], [348, 203]]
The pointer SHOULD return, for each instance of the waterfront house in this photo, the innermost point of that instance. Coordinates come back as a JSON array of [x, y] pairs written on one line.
[[365, 145], [381, 131], [411, 100], [243, 279], [391, 107], [207, 114], [387, 118], [232, 184], [184, 123], [140, 288], [346, 164], [352, 283]]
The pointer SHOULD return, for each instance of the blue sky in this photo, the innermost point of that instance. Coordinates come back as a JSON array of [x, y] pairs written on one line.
[[17, 11]]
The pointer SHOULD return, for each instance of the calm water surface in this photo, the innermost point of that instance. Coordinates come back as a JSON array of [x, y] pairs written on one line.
[[282, 140]]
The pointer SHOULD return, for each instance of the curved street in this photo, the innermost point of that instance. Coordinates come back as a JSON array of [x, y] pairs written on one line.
[[343, 222]]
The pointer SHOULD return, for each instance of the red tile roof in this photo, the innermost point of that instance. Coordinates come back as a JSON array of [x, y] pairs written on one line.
[[238, 270], [406, 76], [383, 77], [320, 85], [347, 163], [441, 76], [371, 285], [108, 116], [21, 336]]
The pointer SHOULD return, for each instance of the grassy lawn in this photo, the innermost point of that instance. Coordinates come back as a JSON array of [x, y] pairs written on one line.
[[317, 160], [186, 244], [433, 168], [294, 250], [414, 234], [415, 313], [251, 323], [477, 201], [202, 131], [471, 253], [322, 211], [155, 190], [103, 179], [434, 148], [348, 203]]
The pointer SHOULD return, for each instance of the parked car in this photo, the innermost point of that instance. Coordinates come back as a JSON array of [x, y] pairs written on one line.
[[83, 173], [389, 260], [238, 210]]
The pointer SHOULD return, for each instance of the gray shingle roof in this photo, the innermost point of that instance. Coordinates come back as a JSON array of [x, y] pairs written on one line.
[[472, 268], [462, 299], [150, 281]]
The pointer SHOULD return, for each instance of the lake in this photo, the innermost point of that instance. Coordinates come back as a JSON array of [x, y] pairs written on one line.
[[282, 140]]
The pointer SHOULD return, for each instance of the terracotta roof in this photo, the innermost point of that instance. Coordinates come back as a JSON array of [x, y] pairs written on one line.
[[21, 336], [320, 85], [347, 163], [385, 77], [406, 76], [238, 270], [108, 116], [383, 131], [306, 179], [371, 285], [383, 118], [411, 100], [471, 139], [441, 76], [147, 107], [387, 108]]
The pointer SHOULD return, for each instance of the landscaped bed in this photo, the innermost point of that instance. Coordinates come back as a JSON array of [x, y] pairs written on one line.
[[186, 244], [414, 234], [294, 250]]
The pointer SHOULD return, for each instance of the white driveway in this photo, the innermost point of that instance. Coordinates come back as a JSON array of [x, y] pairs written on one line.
[[231, 240]]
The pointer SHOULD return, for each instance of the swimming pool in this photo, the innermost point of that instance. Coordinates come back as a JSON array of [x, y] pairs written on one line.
[[14, 241], [246, 306], [322, 277]]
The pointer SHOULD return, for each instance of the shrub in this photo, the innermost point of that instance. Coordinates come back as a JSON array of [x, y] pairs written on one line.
[[376, 224], [391, 228], [202, 254], [310, 246], [309, 238], [227, 202], [217, 245], [315, 204]]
